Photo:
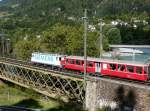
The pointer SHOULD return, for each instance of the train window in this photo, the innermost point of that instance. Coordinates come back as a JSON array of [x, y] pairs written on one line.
[[82, 62], [71, 61], [130, 69], [90, 64], [104, 66], [121, 67], [66, 60], [77, 62], [139, 70], [145, 70], [112, 66], [59, 58]]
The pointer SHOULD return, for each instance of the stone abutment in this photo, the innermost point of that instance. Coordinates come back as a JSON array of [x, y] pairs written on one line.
[[117, 95]]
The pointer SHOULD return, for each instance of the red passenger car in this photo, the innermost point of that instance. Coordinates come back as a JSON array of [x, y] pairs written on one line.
[[77, 63], [122, 69]]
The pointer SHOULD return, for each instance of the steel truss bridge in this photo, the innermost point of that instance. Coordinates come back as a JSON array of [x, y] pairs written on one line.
[[51, 83]]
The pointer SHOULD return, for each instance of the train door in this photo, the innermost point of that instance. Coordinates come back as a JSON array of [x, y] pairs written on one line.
[[148, 71], [97, 67]]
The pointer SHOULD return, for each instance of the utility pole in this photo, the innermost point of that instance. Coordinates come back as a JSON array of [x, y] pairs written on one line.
[[101, 38], [7, 46], [2, 44], [85, 43], [85, 47]]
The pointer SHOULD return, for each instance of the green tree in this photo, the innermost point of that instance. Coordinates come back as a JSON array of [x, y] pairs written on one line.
[[54, 39], [74, 41], [24, 48], [114, 36]]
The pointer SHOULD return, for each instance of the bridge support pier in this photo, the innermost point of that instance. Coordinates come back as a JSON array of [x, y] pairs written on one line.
[[113, 94], [90, 96]]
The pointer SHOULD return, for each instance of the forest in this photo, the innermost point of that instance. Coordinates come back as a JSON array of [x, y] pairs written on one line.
[[57, 26]]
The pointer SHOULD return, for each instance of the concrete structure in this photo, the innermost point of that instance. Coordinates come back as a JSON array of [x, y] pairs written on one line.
[[114, 94], [129, 46]]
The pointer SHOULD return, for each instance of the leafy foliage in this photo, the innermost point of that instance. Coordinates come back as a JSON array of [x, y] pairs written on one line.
[[57, 39], [24, 48], [58, 24]]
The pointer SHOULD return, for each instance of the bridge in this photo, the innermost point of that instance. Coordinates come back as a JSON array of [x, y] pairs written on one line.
[[48, 82], [99, 91]]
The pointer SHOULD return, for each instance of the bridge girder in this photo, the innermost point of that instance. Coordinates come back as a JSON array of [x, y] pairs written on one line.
[[49, 83]]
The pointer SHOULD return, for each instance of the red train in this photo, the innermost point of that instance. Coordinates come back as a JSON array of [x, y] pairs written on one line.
[[97, 66]]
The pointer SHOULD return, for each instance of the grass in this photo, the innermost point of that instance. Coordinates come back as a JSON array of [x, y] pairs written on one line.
[[11, 95]]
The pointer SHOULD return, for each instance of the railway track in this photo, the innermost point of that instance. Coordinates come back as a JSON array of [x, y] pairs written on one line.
[[31, 65], [68, 73]]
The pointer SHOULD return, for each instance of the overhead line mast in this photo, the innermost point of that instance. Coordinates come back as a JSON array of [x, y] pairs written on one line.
[[85, 45], [85, 49]]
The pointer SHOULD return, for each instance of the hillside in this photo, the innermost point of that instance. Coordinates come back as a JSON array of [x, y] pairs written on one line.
[[48, 12], [98, 8], [30, 18]]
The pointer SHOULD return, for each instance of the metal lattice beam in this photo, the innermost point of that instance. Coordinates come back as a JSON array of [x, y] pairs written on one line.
[[46, 82]]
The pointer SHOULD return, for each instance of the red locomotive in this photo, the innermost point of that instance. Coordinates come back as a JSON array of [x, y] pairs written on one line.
[[97, 66]]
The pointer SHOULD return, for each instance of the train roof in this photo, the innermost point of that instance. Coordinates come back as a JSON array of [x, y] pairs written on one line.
[[53, 54], [108, 60]]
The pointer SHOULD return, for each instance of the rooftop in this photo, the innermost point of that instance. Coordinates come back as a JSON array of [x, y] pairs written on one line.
[[129, 46]]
